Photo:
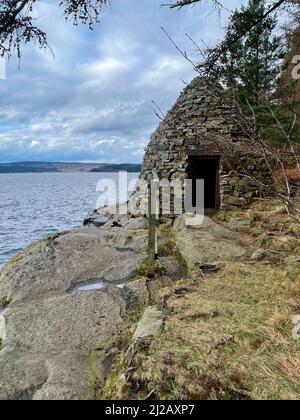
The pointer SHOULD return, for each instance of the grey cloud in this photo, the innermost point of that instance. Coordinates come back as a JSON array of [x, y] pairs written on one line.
[[92, 101]]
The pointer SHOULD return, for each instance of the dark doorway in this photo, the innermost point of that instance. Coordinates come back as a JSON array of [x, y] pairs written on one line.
[[207, 168]]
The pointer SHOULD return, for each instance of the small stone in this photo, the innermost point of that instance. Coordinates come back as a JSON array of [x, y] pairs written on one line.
[[258, 255], [151, 324], [209, 269]]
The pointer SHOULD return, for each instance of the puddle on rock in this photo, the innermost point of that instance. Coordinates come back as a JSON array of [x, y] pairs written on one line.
[[87, 287], [91, 287]]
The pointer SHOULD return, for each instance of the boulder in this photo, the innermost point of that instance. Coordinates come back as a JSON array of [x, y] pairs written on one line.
[[95, 219], [57, 264], [206, 242], [57, 336]]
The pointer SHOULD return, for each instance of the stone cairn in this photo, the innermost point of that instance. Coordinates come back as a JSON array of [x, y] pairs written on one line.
[[203, 122]]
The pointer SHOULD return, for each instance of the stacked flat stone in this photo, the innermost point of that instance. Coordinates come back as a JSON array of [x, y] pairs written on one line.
[[203, 122]]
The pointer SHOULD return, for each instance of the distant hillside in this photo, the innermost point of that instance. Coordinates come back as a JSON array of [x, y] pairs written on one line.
[[116, 168], [40, 167]]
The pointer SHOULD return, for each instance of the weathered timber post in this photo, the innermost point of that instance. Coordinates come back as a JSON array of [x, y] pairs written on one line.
[[153, 212]]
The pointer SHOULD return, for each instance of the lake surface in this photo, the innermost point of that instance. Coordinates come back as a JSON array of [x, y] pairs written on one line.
[[33, 206]]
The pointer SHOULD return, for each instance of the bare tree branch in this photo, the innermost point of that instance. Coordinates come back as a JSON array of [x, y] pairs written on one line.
[[182, 52], [18, 25], [158, 111], [181, 3]]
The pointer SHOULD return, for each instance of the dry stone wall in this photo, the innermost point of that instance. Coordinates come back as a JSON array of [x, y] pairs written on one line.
[[203, 122]]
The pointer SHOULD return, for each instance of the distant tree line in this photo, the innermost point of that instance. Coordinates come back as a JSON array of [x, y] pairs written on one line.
[[57, 167], [128, 167]]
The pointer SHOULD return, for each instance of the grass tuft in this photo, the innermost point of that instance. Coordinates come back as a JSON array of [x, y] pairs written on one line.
[[228, 336]]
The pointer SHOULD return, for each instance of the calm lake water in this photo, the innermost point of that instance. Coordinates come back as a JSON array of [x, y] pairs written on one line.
[[33, 206]]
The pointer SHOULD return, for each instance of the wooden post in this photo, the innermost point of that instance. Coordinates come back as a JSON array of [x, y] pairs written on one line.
[[153, 209]]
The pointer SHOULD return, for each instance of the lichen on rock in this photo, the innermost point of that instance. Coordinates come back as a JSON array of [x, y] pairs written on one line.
[[53, 331]]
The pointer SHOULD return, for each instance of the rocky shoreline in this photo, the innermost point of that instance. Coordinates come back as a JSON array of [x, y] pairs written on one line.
[[55, 335], [65, 299]]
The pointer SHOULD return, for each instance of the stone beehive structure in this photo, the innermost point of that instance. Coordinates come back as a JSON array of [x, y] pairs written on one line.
[[194, 141]]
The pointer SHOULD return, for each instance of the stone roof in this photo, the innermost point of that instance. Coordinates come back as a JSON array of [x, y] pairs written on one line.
[[202, 116]]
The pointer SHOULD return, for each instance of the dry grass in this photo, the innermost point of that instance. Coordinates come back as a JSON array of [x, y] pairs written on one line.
[[271, 230], [228, 336]]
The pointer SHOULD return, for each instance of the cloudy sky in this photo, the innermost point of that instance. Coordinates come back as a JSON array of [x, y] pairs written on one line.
[[92, 102]]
